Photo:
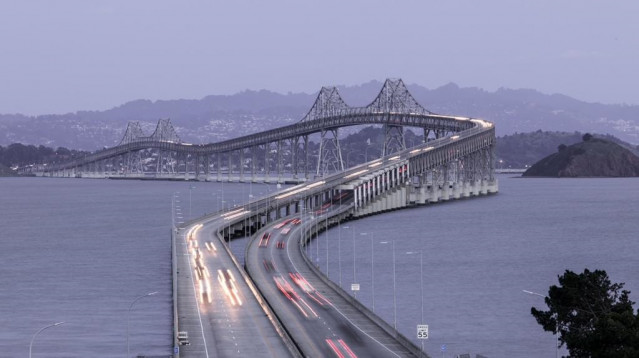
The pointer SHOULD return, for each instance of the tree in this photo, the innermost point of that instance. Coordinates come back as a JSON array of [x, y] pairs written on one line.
[[561, 147], [595, 317], [587, 137]]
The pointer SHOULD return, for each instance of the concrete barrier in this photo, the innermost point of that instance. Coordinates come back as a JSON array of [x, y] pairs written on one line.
[[309, 234], [275, 321], [176, 352]]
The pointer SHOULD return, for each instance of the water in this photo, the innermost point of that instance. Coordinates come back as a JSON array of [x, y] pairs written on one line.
[[81, 251], [479, 254]]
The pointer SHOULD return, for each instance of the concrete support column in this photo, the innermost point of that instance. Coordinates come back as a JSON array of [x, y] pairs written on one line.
[[241, 180]]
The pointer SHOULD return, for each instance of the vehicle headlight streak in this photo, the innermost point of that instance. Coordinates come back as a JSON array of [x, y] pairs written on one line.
[[356, 173], [227, 282], [240, 213], [232, 212], [192, 231], [297, 191]]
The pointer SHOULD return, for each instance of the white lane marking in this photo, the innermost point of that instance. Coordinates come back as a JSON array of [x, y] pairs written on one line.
[[206, 350], [340, 312]]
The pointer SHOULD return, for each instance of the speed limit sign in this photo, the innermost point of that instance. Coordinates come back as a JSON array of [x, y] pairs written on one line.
[[422, 331]]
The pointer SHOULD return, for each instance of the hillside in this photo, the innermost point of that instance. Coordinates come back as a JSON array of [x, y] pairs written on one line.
[[521, 150], [6, 172], [593, 157], [218, 117]]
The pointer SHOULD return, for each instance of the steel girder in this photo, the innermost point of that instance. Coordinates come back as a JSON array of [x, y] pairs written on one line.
[[394, 107], [353, 117]]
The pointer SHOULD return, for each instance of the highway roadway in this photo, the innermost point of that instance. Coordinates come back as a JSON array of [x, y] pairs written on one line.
[[322, 323], [215, 304]]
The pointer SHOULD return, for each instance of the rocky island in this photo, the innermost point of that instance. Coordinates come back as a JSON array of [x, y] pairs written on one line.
[[594, 157]]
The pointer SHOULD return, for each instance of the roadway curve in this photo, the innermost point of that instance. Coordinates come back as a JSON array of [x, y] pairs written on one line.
[[321, 322]]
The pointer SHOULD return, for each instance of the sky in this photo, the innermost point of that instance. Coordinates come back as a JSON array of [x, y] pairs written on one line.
[[68, 55]]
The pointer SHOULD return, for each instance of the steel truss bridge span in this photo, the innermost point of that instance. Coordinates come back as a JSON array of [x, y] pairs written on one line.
[[281, 154]]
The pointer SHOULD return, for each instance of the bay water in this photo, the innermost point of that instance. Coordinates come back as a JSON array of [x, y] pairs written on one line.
[[82, 251]]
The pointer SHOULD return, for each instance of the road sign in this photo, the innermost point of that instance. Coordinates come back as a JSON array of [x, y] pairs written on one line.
[[354, 286], [443, 347], [422, 331]]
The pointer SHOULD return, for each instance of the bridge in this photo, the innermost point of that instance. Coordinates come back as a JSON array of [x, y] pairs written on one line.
[[290, 307], [293, 153], [315, 316]]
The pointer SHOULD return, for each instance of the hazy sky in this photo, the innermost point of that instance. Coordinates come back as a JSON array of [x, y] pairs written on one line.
[[62, 56]]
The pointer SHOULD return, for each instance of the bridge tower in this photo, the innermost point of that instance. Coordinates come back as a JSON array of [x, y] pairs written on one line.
[[330, 154], [395, 98], [328, 104], [133, 132]]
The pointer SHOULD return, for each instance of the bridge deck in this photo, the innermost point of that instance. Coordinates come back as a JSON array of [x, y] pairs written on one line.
[[219, 328], [339, 320]]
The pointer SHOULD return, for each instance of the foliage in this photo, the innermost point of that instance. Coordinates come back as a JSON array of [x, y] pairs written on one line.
[[595, 317], [17, 154], [561, 147], [587, 137], [521, 150]]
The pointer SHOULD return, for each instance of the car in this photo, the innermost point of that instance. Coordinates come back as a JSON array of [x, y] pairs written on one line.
[[268, 265], [264, 239]]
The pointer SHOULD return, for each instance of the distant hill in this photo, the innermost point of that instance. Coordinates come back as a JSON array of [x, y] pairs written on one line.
[[591, 158], [521, 150], [18, 154], [6, 172], [218, 117]]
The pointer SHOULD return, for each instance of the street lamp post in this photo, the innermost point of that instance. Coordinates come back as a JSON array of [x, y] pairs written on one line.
[[38, 332], [354, 276], [556, 322], [339, 255], [394, 285], [394, 290], [190, 190], [326, 240], [128, 354], [372, 267], [421, 287]]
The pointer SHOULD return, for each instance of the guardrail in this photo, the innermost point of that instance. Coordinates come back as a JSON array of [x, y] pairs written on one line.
[[176, 344], [277, 324], [322, 225]]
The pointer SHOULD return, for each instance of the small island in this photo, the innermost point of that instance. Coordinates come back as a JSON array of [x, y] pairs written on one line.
[[594, 157]]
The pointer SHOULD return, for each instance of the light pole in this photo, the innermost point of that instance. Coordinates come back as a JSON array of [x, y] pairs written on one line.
[[366, 154], [128, 316], [421, 287], [191, 187], [354, 277], [40, 330], [556, 322], [394, 285], [372, 267], [394, 289], [339, 254], [326, 234]]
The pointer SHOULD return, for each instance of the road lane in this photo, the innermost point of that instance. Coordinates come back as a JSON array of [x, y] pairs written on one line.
[[218, 324], [333, 331]]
